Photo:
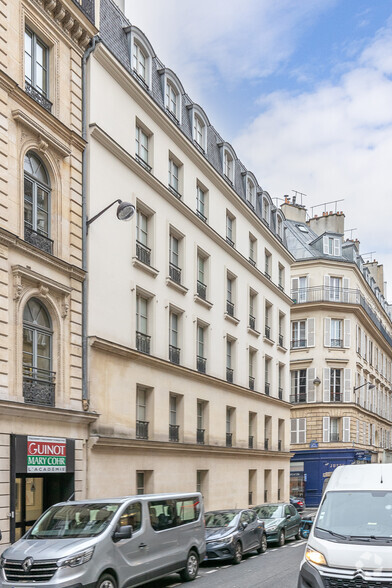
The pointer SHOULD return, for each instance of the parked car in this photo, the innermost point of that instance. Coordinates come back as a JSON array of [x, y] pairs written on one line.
[[231, 533], [109, 543], [281, 521], [299, 503]]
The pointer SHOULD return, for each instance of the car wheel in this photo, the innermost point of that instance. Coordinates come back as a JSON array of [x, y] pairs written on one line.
[[189, 573], [263, 544], [238, 553], [281, 538], [106, 581]]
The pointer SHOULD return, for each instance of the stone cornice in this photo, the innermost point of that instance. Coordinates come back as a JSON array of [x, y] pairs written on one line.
[[133, 88], [122, 155], [10, 408], [24, 119], [153, 361], [311, 409], [10, 240]]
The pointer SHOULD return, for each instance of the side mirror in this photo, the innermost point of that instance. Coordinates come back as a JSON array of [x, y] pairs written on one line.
[[121, 533], [244, 525], [288, 516]]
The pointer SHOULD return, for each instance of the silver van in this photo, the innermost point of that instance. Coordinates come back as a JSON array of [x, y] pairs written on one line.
[[109, 543]]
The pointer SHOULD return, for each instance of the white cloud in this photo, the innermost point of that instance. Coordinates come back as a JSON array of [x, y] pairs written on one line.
[[334, 142]]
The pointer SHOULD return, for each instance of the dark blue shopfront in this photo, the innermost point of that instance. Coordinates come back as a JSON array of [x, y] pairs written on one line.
[[311, 467]]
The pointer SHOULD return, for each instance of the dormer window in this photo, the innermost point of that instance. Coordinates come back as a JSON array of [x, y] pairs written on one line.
[[172, 99], [266, 211], [228, 166], [199, 126], [279, 227], [250, 192], [198, 131], [331, 246], [139, 61], [141, 55]]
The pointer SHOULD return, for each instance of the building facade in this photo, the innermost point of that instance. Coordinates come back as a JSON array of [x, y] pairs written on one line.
[[340, 353], [43, 427], [188, 321]]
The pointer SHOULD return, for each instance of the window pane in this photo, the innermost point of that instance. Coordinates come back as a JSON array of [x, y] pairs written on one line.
[[42, 222], [27, 341]]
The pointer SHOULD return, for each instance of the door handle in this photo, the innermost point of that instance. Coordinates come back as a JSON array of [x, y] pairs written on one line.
[[142, 545]]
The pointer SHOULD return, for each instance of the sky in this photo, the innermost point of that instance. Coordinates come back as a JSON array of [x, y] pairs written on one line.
[[302, 89]]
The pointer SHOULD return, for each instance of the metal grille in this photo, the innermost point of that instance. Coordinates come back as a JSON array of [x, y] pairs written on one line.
[[200, 436], [143, 253], [354, 583], [229, 308], [38, 240], [201, 290], [175, 273], [141, 429], [38, 97], [38, 386], [174, 354], [174, 433], [229, 375], [143, 342], [41, 571], [201, 364]]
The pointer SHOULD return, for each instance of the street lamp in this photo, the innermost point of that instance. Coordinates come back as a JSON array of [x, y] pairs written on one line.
[[371, 386], [125, 211]]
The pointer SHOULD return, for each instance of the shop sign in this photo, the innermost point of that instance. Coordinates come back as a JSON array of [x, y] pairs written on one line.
[[46, 454], [313, 444]]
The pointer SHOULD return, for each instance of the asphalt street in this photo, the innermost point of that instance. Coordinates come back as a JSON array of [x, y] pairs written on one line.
[[279, 566]]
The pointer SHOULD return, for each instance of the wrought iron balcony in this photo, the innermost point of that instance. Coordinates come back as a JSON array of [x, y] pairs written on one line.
[[174, 433], [201, 290], [281, 340], [298, 343], [141, 429], [230, 308], [175, 273], [229, 439], [334, 437], [38, 240], [266, 444], [229, 375], [200, 436], [229, 241], [280, 393], [143, 163], [174, 354], [267, 331], [250, 441], [143, 253], [336, 342], [143, 342], [201, 364], [299, 397], [87, 7], [252, 322], [201, 215], [38, 96], [251, 383], [267, 388], [38, 386], [280, 445]]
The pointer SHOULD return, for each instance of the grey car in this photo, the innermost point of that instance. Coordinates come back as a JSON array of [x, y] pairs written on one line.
[[231, 533], [281, 521]]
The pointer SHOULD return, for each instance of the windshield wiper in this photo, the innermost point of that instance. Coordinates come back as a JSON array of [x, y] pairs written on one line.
[[333, 533], [369, 538]]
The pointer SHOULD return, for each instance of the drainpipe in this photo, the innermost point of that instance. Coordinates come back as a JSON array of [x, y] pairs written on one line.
[[85, 391]]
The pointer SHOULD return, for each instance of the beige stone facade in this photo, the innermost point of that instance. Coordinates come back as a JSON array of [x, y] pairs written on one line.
[[41, 48]]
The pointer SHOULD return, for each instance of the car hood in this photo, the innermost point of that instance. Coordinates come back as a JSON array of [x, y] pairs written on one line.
[[271, 522], [218, 532], [40, 549]]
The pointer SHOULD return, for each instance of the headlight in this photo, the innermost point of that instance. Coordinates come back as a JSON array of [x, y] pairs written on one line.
[[76, 560], [272, 527], [315, 557], [224, 540], [2, 562]]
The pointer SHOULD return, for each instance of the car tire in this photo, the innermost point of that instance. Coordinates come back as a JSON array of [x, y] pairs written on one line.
[[263, 544], [189, 573], [238, 553], [106, 581], [281, 539]]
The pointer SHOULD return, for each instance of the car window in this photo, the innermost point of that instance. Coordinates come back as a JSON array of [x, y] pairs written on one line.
[[244, 517], [293, 510], [287, 511], [187, 511], [252, 516], [132, 515], [162, 514]]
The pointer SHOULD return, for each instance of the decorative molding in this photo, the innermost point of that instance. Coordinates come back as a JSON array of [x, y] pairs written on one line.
[[44, 137], [45, 285], [13, 408]]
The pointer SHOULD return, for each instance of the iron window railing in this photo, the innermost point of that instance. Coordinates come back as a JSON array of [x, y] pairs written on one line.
[[230, 308], [175, 192], [252, 322], [174, 354], [174, 433], [38, 96], [201, 215], [298, 343], [87, 7], [267, 275], [229, 375], [280, 445], [299, 397], [229, 439], [280, 393], [267, 388], [200, 436], [201, 364], [336, 342], [229, 241], [251, 383], [334, 437], [175, 273], [143, 342], [250, 442], [143, 253], [201, 290], [38, 386], [266, 444], [281, 340], [38, 239], [252, 261], [142, 162], [141, 429], [267, 331]]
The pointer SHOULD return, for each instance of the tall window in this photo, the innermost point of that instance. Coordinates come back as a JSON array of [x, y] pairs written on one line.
[[201, 277], [298, 386], [298, 334], [230, 296], [173, 175], [336, 385], [172, 100], [143, 252], [252, 310], [201, 360], [201, 203], [36, 202], [141, 414], [229, 426], [228, 166], [252, 249], [229, 361], [266, 211], [250, 192], [199, 131], [139, 61], [36, 63], [141, 145], [142, 337], [230, 229], [173, 409], [37, 342], [335, 285], [174, 350], [140, 483], [336, 333], [267, 269]]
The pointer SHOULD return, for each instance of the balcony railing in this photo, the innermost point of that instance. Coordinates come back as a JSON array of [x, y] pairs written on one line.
[[200, 436], [143, 342], [174, 354], [336, 397], [229, 439], [298, 343], [250, 442], [267, 331], [252, 322], [342, 295], [251, 383], [280, 393], [201, 215], [174, 431], [175, 273], [267, 274], [87, 7], [142, 162], [230, 308], [296, 398], [201, 364], [229, 375], [267, 388], [141, 429], [38, 240], [175, 192], [334, 437], [336, 342], [143, 253], [38, 386], [250, 497], [252, 261], [266, 444], [281, 340], [201, 290], [38, 97], [280, 445], [229, 241]]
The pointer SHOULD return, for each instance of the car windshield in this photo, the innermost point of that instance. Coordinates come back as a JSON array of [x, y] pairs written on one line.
[[73, 520], [358, 514], [221, 519], [269, 511]]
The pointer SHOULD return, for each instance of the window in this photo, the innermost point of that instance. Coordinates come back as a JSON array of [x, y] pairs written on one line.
[[252, 355], [228, 166], [38, 378], [336, 333], [199, 131], [201, 203], [140, 483], [172, 100], [252, 310], [279, 227], [173, 426], [142, 337], [298, 386], [267, 326], [299, 289], [132, 515], [200, 437], [174, 350], [266, 211], [36, 66], [139, 61], [336, 385], [229, 361], [36, 203], [143, 252], [229, 426], [298, 431], [201, 360], [303, 333], [267, 374], [252, 426], [174, 172], [334, 288], [267, 267], [230, 295], [281, 276], [201, 277], [331, 246], [281, 329], [252, 249], [250, 192], [166, 514], [142, 145], [141, 414], [230, 229], [174, 259]]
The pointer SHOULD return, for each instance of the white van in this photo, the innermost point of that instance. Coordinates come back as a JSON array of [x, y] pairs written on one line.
[[350, 543], [109, 543]]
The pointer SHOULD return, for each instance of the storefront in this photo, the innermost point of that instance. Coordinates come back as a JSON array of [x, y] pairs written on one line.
[[42, 473], [310, 468]]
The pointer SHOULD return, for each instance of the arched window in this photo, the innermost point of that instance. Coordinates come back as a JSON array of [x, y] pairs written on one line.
[[36, 202], [139, 61], [199, 131], [172, 100], [37, 342]]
